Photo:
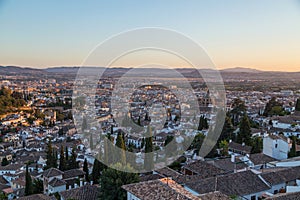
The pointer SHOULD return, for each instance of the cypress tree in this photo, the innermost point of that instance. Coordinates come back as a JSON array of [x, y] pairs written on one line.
[[50, 156], [28, 183], [297, 107], [86, 170], [96, 171], [121, 154], [148, 163], [62, 161], [67, 154]]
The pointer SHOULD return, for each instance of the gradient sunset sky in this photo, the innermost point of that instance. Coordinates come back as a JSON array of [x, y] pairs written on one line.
[[260, 34]]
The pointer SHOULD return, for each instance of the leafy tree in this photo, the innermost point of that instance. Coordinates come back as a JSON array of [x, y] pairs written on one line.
[[244, 135], [86, 170], [148, 162], [257, 145], [224, 147], [112, 180], [4, 162], [28, 183], [270, 110], [238, 110], [197, 143]]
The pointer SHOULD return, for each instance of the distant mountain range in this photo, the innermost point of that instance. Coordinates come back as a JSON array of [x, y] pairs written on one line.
[[230, 73]]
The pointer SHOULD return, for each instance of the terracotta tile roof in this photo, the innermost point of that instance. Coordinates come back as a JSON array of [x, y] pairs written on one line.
[[260, 158], [228, 166], [150, 177], [273, 178], [73, 173], [52, 172], [239, 147], [214, 196], [289, 174], [159, 189], [241, 183], [86, 192], [37, 197], [57, 182], [167, 172], [203, 168]]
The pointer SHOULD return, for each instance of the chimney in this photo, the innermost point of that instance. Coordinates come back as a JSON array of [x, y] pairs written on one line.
[[243, 144], [75, 185], [81, 183], [92, 182], [233, 158], [230, 141], [70, 187]]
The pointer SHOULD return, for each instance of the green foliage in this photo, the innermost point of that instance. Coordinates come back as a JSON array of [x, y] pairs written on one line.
[[72, 163], [257, 145], [112, 180], [62, 160], [176, 165], [10, 100], [86, 170], [203, 124], [293, 152], [51, 157], [38, 186], [227, 131], [297, 107], [244, 135], [273, 108], [197, 143], [223, 145], [120, 153], [148, 162], [238, 110], [4, 162], [28, 183], [96, 172]]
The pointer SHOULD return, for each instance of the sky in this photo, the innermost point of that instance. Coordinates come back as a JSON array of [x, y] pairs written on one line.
[[260, 34]]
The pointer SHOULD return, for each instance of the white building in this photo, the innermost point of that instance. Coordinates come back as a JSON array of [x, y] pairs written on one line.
[[276, 146]]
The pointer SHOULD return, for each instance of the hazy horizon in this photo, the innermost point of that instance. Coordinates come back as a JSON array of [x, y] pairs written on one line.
[[262, 35]]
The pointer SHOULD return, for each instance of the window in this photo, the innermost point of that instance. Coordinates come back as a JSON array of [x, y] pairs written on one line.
[[276, 145], [275, 191], [253, 197]]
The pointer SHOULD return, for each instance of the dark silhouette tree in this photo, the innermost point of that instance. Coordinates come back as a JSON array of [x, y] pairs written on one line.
[[62, 160], [28, 183], [244, 135], [4, 162], [297, 106], [112, 180], [96, 172], [148, 162], [86, 170], [120, 153]]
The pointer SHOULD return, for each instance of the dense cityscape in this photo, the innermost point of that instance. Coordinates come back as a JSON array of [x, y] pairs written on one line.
[[43, 155]]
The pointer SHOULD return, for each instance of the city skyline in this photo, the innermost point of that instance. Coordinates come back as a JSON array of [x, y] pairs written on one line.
[[263, 35]]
